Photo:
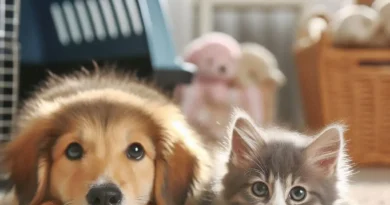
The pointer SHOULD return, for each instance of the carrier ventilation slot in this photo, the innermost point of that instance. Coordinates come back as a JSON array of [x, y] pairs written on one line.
[[85, 21]]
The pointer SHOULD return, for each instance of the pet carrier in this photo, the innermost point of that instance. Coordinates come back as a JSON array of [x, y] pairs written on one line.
[[9, 57], [63, 35]]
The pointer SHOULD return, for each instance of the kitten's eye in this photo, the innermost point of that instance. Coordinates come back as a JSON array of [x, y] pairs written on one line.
[[135, 151], [298, 193], [74, 151], [260, 189]]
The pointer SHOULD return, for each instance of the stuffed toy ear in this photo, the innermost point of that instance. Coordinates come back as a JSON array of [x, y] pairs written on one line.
[[225, 40], [28, 162], [196, 48], [326, 150], [246, 138], [193, 51]]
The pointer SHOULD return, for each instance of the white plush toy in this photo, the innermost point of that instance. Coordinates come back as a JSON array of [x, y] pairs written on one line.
[[259, 68], [383, 8], [355, 25], [313, 22], [315, 17]]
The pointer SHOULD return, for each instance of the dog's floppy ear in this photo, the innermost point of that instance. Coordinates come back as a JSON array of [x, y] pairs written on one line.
[[28, 161], [181, 166], [174, 176]]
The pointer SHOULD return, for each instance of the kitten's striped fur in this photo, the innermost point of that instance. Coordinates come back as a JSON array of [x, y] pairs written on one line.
[[284, 160]]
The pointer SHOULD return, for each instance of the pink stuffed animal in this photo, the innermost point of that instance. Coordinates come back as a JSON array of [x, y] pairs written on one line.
[[216, 55], [208, 100]]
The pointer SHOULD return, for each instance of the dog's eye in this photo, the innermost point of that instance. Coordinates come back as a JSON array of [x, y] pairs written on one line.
[[135, 151], [74, 151]]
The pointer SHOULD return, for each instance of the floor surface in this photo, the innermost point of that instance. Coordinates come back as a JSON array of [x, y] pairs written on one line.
[[370, 186]]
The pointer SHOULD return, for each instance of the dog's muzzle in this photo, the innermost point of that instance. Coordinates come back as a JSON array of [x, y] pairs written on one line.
[[105, 194]]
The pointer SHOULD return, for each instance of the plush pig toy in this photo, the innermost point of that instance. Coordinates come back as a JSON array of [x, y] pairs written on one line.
[[216, 56], [209, 98]]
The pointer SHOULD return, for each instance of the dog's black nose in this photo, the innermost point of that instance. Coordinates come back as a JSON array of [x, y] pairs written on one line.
[[107, 194]]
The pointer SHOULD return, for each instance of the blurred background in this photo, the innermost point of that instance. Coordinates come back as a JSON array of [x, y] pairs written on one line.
[[302, 64], [270, 24]]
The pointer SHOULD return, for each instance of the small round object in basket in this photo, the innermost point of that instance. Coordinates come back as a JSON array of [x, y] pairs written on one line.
[[383, 8], [355, 25]]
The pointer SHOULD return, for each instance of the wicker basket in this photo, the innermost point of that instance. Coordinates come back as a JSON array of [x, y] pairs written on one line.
[[351, 86]]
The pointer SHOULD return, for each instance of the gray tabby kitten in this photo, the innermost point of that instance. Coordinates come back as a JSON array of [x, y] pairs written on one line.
[[279, 167]]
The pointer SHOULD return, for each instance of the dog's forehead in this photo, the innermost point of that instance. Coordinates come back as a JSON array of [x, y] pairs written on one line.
[[105, 127], [107, 118]]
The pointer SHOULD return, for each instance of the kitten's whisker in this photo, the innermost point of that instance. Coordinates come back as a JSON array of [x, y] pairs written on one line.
[[325, 156], [259, 164], [253, 170], [142, 199], [69, 202], [254, 201]]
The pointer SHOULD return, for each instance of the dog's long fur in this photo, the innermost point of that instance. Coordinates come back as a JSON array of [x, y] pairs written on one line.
[[100, 108]]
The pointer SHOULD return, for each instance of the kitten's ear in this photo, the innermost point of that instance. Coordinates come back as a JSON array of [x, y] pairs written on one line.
[[245, 138], [326, 149]]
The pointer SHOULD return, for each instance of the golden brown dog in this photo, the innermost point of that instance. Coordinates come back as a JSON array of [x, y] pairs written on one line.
[[104, 139]]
